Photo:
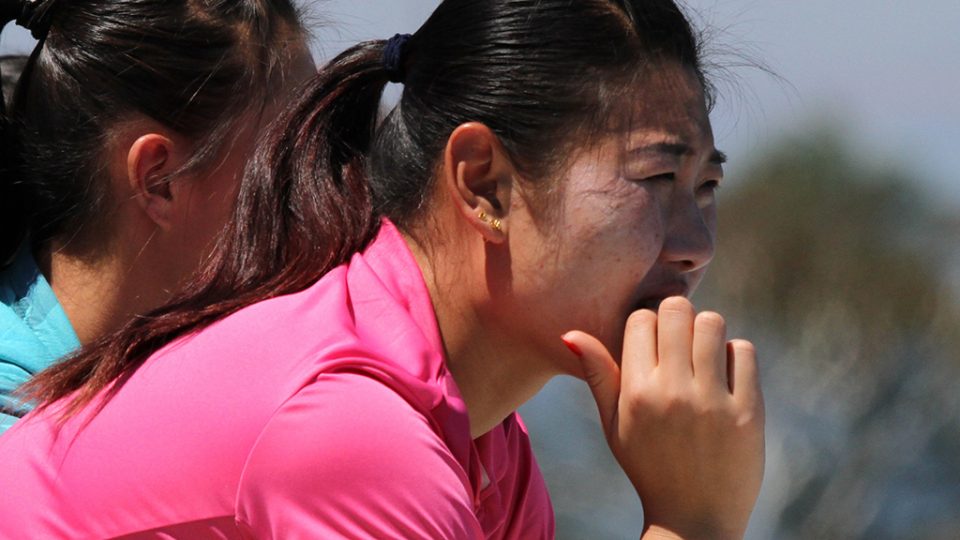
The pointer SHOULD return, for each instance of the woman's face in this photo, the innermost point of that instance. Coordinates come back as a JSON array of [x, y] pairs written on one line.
[[635, 223]]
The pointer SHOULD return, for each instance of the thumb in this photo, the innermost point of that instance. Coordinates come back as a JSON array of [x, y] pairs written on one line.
[[600, 371]]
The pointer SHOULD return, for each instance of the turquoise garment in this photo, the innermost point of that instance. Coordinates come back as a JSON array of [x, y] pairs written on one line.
[[34, 331]]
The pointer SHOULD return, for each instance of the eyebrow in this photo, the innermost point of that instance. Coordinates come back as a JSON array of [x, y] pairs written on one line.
[[678, 149]]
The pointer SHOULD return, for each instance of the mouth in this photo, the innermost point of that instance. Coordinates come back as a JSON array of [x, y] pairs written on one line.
[[660, 293]]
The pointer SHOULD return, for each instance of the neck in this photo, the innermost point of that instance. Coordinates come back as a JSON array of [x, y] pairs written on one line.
[[98, 294], [493, 373]]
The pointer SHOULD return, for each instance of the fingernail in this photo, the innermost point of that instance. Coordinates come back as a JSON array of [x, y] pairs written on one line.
[[572, 346]]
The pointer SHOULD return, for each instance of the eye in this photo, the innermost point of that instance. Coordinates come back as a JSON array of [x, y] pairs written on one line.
[[665, 177], [710, 186]]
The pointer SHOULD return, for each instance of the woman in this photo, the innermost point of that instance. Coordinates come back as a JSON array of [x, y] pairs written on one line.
[[131, 123], [388, 293]]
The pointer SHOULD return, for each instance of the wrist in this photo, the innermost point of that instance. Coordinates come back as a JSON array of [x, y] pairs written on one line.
[[689, 532]]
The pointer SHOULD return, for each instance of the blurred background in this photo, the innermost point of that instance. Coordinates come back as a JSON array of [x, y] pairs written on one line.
[[839, 257]]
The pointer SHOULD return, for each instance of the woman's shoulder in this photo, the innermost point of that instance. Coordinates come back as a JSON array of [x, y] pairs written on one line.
[[349, 455]]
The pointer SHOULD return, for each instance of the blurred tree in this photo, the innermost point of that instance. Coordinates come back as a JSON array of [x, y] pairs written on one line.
[[841, 270]]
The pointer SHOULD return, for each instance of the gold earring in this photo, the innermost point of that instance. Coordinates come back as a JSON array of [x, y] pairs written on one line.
[[495, 223]]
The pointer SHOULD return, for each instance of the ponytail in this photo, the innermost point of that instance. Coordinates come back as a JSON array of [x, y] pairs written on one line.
[[12, 212], [14, 204], [304, 207], [10, 237]]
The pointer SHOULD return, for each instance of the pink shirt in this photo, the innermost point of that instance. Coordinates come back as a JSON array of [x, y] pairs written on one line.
[[323, 414]]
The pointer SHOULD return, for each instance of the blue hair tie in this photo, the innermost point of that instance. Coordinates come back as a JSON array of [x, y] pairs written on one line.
[[394, 53]]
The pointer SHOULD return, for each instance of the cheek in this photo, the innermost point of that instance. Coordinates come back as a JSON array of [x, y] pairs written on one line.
[[613, 221], [613, 240], [621, 230]]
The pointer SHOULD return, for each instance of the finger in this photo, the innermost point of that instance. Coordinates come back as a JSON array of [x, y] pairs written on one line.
[[710, 350], [639, 345], [743, 374], [675, 336], [601, 373]]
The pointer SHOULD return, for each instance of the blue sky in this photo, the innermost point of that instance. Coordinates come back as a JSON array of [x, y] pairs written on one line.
[[885, 72]]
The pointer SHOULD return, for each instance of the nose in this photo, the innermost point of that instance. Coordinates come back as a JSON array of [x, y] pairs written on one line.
[[689, 244]]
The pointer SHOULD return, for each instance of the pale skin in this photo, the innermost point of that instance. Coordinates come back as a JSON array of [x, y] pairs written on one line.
[[596, 288], [162, 224]]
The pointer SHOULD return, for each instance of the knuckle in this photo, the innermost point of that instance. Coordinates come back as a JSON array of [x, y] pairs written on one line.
[[712, 322], [594, 379], [750, 413], [743, 348], [676, 306], [750, 420], [640, 319], [710, 410], [637, 406], [655, 402], [677, 401]]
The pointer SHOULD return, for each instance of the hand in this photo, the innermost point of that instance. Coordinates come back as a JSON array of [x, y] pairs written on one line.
[[683, 415]]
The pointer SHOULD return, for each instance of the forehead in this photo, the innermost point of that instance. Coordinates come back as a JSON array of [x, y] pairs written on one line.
[[665, 103]]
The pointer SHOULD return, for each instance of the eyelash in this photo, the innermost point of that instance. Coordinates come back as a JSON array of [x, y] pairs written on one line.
[[712, 185]]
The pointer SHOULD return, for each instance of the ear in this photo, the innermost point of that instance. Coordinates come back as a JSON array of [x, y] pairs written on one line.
[[479, 175], [150, 164]]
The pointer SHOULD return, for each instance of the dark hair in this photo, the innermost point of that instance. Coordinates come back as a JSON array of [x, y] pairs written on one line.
[[533, 72], [193, 66], [11, 66]]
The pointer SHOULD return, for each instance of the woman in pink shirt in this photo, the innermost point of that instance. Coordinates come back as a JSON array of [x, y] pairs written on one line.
[[390, 290]]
